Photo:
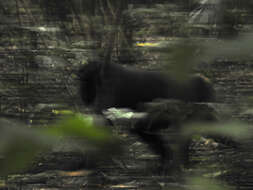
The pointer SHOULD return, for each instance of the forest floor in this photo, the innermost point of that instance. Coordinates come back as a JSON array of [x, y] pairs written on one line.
[[33, 85], [138, 168]]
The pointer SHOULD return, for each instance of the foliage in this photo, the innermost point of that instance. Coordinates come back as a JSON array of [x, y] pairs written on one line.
[[199, 183], [233, 129], [81, 126], [20, 145]]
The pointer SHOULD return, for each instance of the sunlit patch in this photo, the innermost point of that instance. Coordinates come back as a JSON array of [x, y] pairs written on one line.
[[75, 173], [122, 186], [63, 112], [42, 29], [148, 44]]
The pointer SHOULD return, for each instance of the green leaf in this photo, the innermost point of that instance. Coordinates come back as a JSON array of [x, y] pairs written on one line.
[[81, 126]]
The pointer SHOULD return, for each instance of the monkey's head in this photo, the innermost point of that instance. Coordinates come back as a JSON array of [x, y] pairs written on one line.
[[89, 76], [203, 88], [87, 70]]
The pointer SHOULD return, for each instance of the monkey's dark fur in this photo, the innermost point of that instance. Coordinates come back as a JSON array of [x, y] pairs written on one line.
[[118, 86], [112, 85]]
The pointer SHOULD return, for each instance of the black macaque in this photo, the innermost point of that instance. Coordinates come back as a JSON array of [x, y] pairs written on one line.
[[112, 85]]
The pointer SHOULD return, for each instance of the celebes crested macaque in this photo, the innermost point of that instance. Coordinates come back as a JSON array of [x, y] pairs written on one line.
[[112, 85]]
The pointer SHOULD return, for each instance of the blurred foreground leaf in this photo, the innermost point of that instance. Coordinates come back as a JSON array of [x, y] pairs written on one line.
[[181, 57], [199, 183], [19, 145], [234, 129], [82, 126]]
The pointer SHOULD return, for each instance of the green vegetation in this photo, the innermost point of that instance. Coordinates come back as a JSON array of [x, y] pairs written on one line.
[[20, 145]]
